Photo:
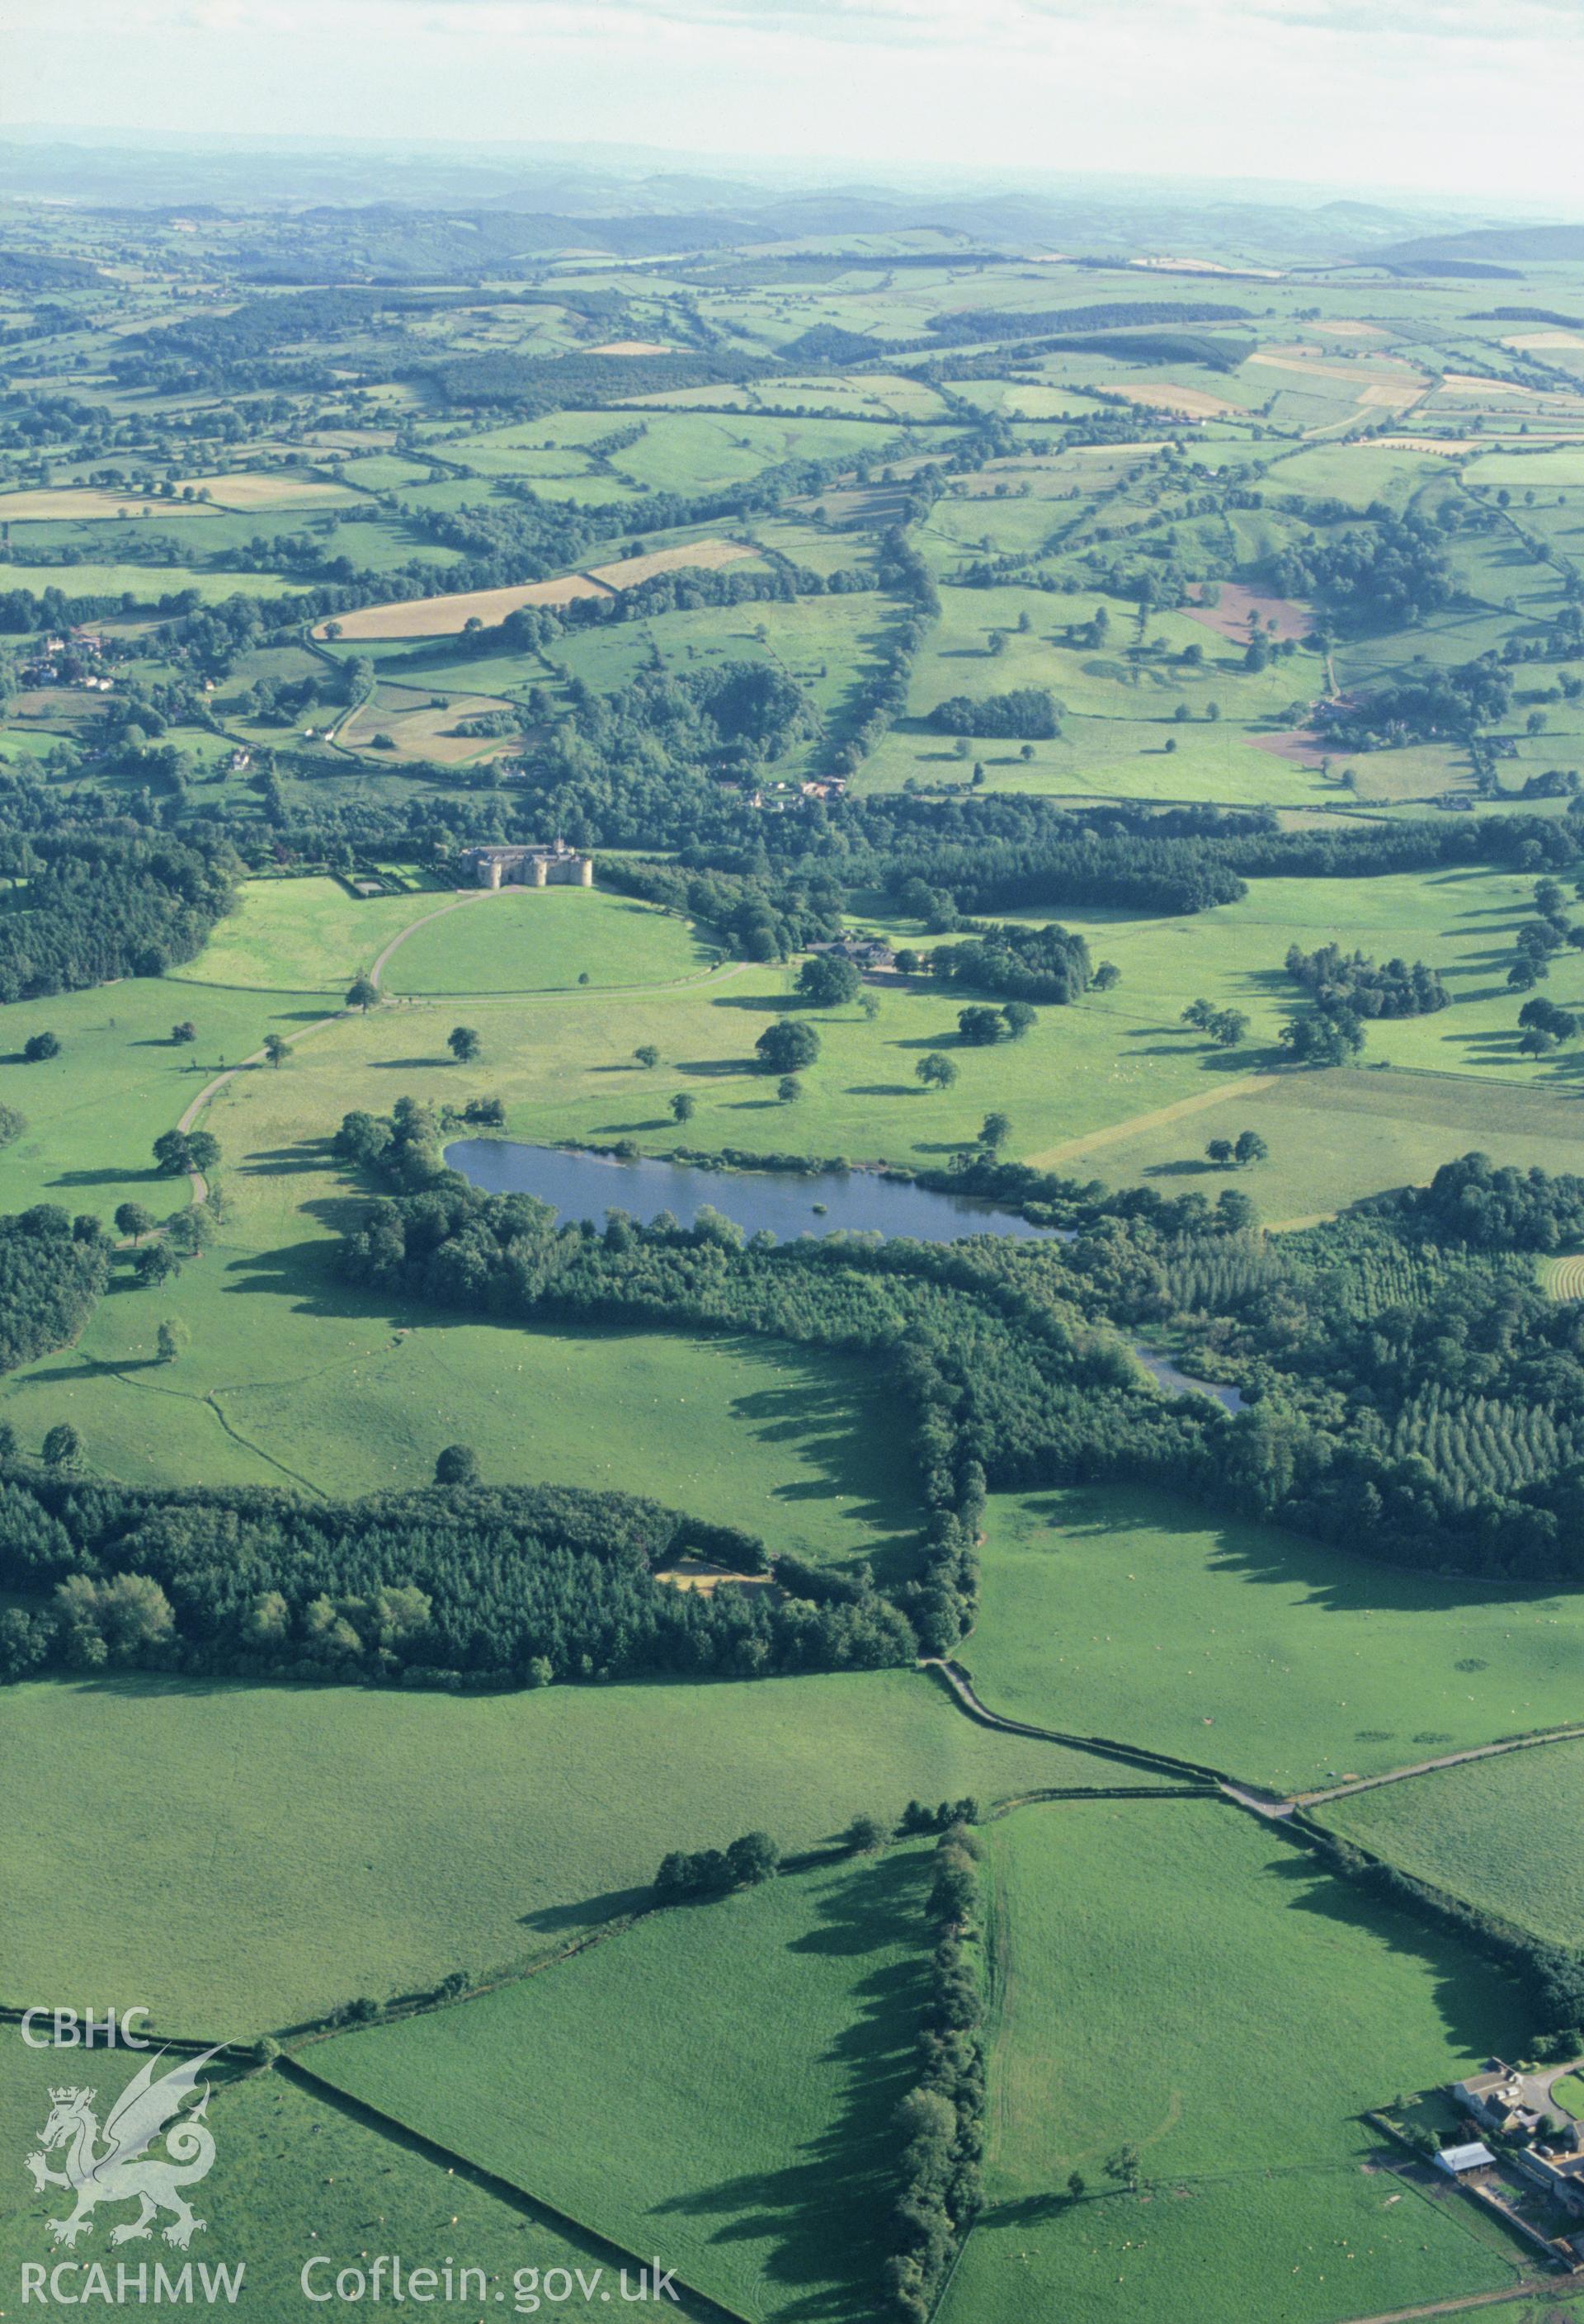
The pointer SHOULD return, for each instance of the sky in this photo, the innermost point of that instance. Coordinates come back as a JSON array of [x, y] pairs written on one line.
[[1477, 99]]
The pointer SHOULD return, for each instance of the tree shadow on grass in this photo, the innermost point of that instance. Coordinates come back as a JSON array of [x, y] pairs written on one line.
[[1333, 1580], [588, 1913], [826, 2214], [129, 1177], [1483, 2008]]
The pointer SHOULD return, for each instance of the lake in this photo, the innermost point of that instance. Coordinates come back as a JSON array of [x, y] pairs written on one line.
[[588, 1186]]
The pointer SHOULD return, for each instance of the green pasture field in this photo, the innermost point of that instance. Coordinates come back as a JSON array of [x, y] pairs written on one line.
[[1123, 1613], [1463, 923], [93, 1112], [296, 2179], [1335, 1137], [751, 2140], [355, 1841], [529, 939], [146, 584], [380, 544], [1120, 736], [1163, 1970], [303, 935], [292, 1380], [1506, 1833], [827, 644], [1360, 472]]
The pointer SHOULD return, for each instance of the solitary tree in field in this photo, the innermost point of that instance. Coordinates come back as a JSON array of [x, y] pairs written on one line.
[[788, 1089], [184, 1032], [648, 1056], [786, 1046], [457, 1465], [994, 1132], [936, 1072], [1219, 1153], [134, 1222], [363, 994], [62, 1446], [173, 1338], [39, 1047], [683, 1106], [1107, 976], [864, 1834], [463, 1044], [1250, 1148], [277, 1049], [1077, 2185], [870, 1006]]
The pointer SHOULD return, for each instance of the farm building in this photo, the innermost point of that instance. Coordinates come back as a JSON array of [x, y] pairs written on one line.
[[558, 866], [1504, 2100], [864, 952], [1457, 2161], [1558, 2168]]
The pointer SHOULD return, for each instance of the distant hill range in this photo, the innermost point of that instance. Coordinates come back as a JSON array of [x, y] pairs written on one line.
[[369, 213], [1487, 250]]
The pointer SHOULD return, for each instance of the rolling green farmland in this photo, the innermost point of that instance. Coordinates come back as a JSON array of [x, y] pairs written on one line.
[[710, 500], [815, 1984], [490, 1829], [1162, 1972], [304, 935], [1125, 1614], [524, 939], [1503, 1833]]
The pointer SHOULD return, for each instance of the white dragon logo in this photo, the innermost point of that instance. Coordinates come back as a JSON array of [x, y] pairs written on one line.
[[123, 2172]]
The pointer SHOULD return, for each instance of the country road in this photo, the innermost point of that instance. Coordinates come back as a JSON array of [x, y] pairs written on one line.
[[1273, 1806]]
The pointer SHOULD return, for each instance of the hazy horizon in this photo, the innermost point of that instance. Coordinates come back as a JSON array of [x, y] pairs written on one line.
[[1436, 103]]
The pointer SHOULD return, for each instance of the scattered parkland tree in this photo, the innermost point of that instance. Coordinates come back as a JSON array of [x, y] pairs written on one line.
[[648, 1056], [936, 1072], [178, 1151], [180, 1035], [787, 1045], [829, 980], [172, 1339], [155, 1263], [994, 1132], [134, 1222], [362, 993], [1250, 1146], [12, 1125], [457, 1465], [62, 1446], [39, 1047], [1020, 1017], [463, 1044], [683, 1106], [788, 1089], [980, 1026], [277, 1049]]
